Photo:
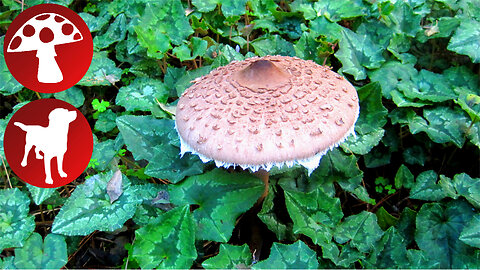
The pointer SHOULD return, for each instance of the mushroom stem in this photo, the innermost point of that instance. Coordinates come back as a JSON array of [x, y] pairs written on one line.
[[264, 176], [48, 69]]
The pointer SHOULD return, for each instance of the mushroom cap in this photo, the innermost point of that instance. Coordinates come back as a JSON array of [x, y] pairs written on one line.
[[45, 30], [266, 111]]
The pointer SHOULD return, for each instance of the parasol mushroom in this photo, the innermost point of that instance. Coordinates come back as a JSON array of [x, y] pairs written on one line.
[[265, 112], [42, 33]]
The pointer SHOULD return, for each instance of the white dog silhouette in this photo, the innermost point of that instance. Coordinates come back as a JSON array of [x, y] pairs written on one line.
[[51, 140]]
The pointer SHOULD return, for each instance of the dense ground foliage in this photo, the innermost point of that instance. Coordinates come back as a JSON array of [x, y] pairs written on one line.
[[405, 193]]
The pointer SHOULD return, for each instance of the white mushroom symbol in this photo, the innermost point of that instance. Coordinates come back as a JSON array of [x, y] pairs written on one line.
[[41, 33]]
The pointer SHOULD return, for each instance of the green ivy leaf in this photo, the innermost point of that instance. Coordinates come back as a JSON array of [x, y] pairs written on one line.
[[116, 32], [102, 71], [103, 153], [321, 26], [233, 7], [106, 121], [338, 167], [314, 214], [390, 74], [95, 23], [339, 10], [205, 5], [143, 133], [15, 224], [221, 198], [429, 86], [297, 255], [269, 217], [197, 47], [471, 233], [163, 22], [39, 254], [141, 94], [385, 219], [40, 194], [89, 208], [358, 52], [403, 19], [361, 230], [9, 84], [156, 201], [230, 257], [426, 188], [167, 164], [442, 125], [370, 122], [391, 250], [467, 187], [7, 263], [470, 103], [167, 242], [438, 229], [344, 257], [404, 178], [466, 40], [156, 141], [73, 95], [273, 45]]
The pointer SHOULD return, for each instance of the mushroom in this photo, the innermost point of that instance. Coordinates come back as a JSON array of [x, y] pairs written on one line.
[[266, 111], [41, 33]]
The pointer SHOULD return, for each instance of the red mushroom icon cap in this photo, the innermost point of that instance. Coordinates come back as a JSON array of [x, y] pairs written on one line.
[[42, 33]]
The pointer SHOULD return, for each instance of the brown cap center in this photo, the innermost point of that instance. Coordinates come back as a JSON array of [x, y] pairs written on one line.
[[261, 74]]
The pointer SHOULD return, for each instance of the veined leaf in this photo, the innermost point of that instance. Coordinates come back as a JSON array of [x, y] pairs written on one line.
[[102, 71], [221, 197], [40, 194], [205, 5], [72, 95], [15, 224], [361, 230], [338, 167], [39, 254], [116, 32], [358, 52], [438, 230], [426, 188], [297, 255], [167, 164], [442, 124], [270, 218], [10, 85], [273, 45], [233, 7], [163, 22], [471, 233], [230, 257], [404, 177], [466, 40], [390, 74], [7, 263], [370, 122], [314, 214], [339, 10], [391, 250], [89, 208], [167, 242], [142, 133], [428, 86], [344, 257], [141, 94]]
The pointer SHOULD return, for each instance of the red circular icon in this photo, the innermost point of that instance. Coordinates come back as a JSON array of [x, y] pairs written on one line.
[[48, 143], [48, 48]]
